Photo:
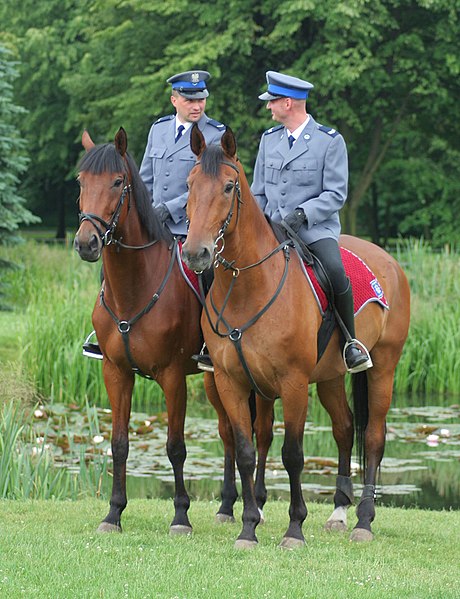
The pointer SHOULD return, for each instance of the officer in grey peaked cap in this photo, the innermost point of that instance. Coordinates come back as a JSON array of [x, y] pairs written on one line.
[[168, 158], [301, 180]]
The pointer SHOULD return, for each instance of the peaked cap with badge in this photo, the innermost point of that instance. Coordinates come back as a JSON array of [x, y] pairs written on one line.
[[168, 159], [191, 84]]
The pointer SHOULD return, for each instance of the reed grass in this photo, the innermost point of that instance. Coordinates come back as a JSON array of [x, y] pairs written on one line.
[[54, 293], [27, 465]]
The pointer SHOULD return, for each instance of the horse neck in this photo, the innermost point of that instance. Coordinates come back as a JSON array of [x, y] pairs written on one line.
[[249, 241], [130, 274]]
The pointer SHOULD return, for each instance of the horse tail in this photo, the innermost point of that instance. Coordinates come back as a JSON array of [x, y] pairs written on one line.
[[360, 413]]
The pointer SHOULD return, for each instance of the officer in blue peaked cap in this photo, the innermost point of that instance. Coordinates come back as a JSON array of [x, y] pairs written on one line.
[[301, 181]]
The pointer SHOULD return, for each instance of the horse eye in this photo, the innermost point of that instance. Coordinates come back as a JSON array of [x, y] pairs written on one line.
[[228, 187], [118, 183]]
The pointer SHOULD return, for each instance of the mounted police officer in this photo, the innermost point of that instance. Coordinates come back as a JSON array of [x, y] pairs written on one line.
[[301, 179], [168, 158]]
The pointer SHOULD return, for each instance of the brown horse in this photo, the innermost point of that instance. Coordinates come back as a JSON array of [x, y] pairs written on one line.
[[147, 317], [261, 329]]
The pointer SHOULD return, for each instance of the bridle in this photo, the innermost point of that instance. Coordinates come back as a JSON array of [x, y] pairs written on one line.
[[107, 237], [236, 199]]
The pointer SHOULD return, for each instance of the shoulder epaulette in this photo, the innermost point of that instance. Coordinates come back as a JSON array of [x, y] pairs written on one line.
[[216, 124], [328, 130], [164, 118], [273, 129]]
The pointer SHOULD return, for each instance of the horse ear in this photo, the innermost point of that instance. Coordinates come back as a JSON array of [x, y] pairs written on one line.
[[86, 140], [228, 143], [197, 141], [121, 141]]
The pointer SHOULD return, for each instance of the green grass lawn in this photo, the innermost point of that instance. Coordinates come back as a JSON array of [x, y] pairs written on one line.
[[51, 550]]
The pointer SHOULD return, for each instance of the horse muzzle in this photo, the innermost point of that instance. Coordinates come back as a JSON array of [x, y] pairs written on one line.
[[89, 246], [198, 259]]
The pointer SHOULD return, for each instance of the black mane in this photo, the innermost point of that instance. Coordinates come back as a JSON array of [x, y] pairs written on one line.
[[104, 158], [211, 160]]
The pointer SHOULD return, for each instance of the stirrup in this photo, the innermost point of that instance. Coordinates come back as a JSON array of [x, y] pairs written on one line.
[[203, 360], [363, 364], [92, 350]]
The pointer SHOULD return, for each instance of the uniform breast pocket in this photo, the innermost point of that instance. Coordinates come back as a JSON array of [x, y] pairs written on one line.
[[156, 155], [305, 171], [273, 170]]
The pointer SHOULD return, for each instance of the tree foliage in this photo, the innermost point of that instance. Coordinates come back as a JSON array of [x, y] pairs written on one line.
[[386, 74]]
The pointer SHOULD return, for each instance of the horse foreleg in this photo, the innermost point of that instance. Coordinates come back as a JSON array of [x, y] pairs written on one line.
[[174, 386], [229, 492], [119, 385], [295, 413], [263, 427], [333, 398], [379, 400]]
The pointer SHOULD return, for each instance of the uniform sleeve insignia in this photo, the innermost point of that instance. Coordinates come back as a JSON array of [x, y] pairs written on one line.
[[328, 130], [216, 124], [164, 118], [273, 129]]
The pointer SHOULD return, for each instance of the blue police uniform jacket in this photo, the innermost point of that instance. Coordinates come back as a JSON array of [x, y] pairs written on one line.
[[166, 166], [312, 175]]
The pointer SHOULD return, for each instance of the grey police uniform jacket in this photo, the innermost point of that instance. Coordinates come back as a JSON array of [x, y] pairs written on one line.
[[166, 165], [312, 175]]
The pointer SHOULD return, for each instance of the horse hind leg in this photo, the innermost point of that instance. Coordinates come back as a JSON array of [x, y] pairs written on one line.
[[333, 398], [375, 388], [263, 428], [175, 390], [229, 493]]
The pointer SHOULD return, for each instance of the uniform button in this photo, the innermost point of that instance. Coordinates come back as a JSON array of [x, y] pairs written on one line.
[[288, 167], [167, 174], [165, 187], [284, 180], [282, 205], [283, 193], [170, 159]]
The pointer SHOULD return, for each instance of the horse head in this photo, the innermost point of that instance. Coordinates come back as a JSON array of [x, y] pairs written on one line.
[[214, 196], [104, 180]]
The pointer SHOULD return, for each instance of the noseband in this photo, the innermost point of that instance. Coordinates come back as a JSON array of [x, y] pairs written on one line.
[[107, 236], [236, 196]]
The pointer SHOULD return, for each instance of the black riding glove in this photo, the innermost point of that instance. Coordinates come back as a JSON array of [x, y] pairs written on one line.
[[162, 212], [295, 219]]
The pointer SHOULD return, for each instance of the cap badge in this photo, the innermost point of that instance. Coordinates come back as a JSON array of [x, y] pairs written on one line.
[[195, 78]]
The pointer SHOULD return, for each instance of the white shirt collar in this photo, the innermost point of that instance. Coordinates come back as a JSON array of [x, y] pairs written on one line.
[[295, 134], [186, 125]]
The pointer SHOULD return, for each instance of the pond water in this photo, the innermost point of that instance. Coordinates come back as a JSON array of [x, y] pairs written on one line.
[[421, 466]]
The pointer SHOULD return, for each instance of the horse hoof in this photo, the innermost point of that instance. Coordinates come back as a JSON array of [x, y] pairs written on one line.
[[335, 525], [107, 527], [224, 519], [361, 535], [291, 543], [245, 544], [179, 529]]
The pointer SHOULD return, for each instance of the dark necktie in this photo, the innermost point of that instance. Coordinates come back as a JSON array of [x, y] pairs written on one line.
[[180, 130], [291, 140]]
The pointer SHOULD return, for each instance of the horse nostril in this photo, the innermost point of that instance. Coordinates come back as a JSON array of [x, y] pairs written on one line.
[[93, 243]]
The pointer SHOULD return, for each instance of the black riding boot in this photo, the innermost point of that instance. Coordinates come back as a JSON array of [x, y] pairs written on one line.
[[356, 356], [203, 358]]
